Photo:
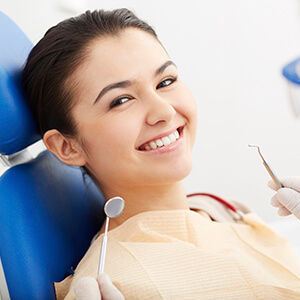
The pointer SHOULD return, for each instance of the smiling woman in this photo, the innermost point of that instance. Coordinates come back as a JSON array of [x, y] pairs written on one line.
[[106, 96], [144, 105]]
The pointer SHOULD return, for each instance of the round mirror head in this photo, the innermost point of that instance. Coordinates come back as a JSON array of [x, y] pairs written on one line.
[[114, 207]]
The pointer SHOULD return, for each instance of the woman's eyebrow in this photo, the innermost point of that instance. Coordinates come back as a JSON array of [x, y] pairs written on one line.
[[164, 66], [112, 86], [127, 83]]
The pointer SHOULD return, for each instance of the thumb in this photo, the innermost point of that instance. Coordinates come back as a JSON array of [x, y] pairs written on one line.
[[86, 288], [108, 290], [292, 182]]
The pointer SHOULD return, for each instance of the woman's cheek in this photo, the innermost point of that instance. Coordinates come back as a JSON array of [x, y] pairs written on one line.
[[186, 105]]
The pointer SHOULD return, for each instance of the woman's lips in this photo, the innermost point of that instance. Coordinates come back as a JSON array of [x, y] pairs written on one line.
[[161, 142]]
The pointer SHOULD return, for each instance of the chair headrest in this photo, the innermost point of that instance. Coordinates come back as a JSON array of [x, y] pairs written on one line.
[[17, 129], [292, 71]]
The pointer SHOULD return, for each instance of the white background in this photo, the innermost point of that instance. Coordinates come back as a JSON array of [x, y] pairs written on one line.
[[230, 53]]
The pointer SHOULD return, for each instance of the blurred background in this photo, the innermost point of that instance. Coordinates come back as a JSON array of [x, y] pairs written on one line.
[[230, 54]]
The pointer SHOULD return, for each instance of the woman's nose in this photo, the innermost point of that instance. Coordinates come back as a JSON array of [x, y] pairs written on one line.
[[159, 110]]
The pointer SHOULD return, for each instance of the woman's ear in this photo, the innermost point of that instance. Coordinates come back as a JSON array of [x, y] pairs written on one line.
[[66, 149]]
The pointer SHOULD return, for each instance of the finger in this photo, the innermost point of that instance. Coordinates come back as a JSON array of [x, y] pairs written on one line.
[[107, 288], [86, 288], [283, 211], [271, 184], [290, 199], [296, 210], [275, 202], [292, 182]]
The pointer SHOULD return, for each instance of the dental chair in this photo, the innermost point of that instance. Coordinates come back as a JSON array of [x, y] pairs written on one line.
[[49, 212]]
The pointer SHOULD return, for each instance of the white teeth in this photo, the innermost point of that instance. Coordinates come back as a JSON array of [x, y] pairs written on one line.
[[172, 137], [159, 143], [165, 141], [153, 145]]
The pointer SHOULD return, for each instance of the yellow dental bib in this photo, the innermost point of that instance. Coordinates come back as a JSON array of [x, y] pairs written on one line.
[[179, 254]]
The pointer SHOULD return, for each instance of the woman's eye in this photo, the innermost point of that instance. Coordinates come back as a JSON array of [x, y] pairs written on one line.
[[119, 101], [166, 82]]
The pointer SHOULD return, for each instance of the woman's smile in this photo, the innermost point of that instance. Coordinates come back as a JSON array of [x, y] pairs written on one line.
[[164, 142]]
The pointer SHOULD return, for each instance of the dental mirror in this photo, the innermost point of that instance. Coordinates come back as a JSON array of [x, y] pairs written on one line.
[[112, 208]]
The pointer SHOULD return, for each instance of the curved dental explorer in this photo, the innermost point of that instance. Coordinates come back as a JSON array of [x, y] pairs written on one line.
[[112, 208], [268, 168]]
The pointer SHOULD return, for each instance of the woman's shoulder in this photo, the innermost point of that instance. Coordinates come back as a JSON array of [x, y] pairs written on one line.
[[218, 209]]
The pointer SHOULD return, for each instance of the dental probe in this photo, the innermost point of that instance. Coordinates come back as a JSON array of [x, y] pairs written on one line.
[[268, 168]]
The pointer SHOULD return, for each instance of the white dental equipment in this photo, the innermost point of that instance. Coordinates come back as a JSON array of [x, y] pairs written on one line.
[[268, 168], [112, 208]]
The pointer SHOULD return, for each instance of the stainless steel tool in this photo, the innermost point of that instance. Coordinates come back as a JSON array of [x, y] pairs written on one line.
[[112, 208], [268, 168]]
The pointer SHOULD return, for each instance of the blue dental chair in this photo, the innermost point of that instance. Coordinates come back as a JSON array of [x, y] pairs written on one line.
[[49, 212]]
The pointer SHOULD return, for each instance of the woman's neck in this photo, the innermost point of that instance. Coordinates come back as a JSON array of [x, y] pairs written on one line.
[[143, 199]]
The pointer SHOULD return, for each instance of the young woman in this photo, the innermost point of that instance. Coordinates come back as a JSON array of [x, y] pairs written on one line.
[[106, 96]]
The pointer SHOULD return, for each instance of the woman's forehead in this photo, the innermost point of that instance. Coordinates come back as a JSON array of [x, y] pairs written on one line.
[[132, 55], [131, 48]]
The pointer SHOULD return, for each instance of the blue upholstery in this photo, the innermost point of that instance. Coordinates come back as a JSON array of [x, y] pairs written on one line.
[[291, 71], [16, 125], [48, 214]]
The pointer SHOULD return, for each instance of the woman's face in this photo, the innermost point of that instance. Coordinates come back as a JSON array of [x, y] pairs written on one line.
[[136, 119]]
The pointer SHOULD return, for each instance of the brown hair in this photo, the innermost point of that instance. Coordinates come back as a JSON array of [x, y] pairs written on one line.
[[58, 54]]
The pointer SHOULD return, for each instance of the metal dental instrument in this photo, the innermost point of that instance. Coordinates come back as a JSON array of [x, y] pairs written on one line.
[[272, 174], [112, 208]]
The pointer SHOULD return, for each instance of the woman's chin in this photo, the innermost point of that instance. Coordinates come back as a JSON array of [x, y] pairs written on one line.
[[174, 173]]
